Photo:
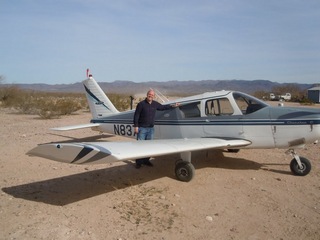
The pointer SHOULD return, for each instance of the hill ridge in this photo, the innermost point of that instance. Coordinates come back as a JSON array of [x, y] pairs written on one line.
[[187, 87]]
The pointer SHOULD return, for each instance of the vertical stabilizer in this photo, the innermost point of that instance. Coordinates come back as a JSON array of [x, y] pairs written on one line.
[[99, 104]]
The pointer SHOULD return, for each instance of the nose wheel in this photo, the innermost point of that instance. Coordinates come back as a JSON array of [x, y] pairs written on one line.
[[299, 166], [301, 169]]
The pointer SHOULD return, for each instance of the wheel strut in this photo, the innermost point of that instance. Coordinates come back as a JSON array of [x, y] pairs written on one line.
[[299, 165], [294, 154]]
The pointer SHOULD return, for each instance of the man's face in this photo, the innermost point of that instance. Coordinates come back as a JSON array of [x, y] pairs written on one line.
[[150, 96]]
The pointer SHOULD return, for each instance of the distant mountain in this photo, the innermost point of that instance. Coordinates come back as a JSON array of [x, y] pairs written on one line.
[[167, 88]]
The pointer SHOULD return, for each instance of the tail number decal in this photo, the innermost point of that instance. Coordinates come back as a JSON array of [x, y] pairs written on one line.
[[123, 130]]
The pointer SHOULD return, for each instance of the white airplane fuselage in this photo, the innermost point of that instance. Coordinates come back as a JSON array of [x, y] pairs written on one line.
[[264, 126]]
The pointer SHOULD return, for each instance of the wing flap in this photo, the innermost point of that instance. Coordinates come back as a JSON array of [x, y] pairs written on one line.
[[103, 152]]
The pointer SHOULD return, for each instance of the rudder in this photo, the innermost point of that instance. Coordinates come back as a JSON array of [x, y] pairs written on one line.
[[99, 104]]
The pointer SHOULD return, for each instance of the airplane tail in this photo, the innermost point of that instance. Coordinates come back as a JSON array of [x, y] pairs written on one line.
[[99, 104]]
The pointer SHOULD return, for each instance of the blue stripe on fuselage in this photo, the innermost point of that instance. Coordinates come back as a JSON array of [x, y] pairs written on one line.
[[216, 122]]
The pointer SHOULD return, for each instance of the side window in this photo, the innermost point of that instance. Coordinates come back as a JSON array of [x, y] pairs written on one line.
[[218, 107], [190, 110]]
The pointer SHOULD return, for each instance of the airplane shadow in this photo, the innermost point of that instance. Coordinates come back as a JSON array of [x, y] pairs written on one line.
[[69, 189], [216, 159], [266, 167]]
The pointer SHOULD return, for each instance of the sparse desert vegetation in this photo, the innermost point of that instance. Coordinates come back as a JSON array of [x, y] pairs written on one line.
[[50, 104], [46, 105]]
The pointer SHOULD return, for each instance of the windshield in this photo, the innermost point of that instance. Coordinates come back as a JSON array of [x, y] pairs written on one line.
[[248, 104]]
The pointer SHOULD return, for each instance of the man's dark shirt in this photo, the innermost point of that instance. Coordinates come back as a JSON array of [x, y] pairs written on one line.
[[146, 112]]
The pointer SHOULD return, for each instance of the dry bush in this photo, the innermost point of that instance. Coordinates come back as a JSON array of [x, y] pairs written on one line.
[[51, 104], [9, 95], [121, 102], [46, 105], [54, 107]]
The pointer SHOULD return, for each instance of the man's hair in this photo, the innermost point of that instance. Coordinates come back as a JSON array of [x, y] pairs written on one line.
[[150, 91]]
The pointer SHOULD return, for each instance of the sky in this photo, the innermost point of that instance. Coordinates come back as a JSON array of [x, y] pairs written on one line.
[[55, 41]]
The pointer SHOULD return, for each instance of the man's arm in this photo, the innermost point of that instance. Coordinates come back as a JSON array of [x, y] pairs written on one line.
[[136, 118], [137, 115], [161, 107]]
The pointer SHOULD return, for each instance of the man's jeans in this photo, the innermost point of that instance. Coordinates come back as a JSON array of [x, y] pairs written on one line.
[[144, 134]]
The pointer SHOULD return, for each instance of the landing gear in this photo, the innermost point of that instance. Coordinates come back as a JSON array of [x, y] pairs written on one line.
[[301, 169], [299, 166], [184, 171]]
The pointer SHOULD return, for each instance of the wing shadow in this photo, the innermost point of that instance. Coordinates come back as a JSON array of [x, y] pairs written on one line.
[[216, 159], [69, 189]]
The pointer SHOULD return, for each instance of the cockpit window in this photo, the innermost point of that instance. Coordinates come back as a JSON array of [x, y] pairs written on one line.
[[248, 104], [220, 106], [190, 110]]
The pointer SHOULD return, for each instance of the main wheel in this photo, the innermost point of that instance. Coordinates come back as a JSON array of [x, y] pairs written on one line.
[[233, 150], [184, 171], [304, 170]]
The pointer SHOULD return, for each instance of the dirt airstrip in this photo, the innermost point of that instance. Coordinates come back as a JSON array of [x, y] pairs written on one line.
[[246, 195]]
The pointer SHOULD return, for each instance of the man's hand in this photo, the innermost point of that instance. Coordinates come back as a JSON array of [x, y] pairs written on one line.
[[175, 105]]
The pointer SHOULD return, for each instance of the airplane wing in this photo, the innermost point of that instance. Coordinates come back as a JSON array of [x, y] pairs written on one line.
[[75, 127], [103, 152]]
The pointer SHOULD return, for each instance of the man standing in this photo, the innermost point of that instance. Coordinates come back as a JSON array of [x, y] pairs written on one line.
[[143, 121]]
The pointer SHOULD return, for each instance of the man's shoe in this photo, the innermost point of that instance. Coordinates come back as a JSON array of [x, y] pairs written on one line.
[[138, 166]]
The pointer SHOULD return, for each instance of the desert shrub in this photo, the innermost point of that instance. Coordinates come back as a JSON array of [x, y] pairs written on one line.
[[52, 104], [25, 104], [46, 105], [121, 102], [55, 107], [10, 95], [260, 94]]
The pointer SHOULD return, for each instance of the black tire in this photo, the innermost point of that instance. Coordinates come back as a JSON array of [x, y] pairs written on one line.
[[178, 161], [233, 150], [306, 167], [184, 171]]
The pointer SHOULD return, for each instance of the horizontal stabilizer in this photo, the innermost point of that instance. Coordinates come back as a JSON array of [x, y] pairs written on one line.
[[103, 152], [75, 127]]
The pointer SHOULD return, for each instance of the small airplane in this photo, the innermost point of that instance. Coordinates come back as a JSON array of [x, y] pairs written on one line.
[[227, 120]]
